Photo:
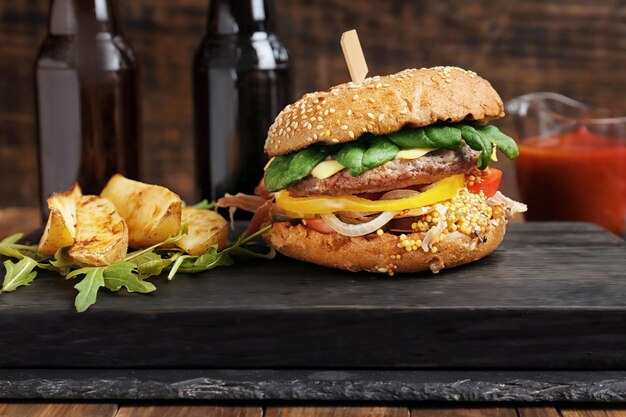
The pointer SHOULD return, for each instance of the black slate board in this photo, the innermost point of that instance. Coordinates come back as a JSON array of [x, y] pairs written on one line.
[[553, 296], [312, 385]]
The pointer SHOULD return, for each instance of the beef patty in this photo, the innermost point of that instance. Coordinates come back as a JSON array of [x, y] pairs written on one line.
[[398, 173]]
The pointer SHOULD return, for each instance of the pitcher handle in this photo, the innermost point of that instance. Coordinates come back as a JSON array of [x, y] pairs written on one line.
[[520, 105]]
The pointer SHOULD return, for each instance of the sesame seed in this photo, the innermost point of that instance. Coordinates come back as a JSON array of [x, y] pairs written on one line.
[[351, 134], [371, 115], [315, 136], [404, 111], [372, 100], [332, 110], [381, 117], [319, 118], [379, 85], [334, 93], [327, 133], [320, 127], [335, 140], [312, 119], [349, 112], [355, 97], [309, 126], [318, 107], [344, 127], [325, 112]]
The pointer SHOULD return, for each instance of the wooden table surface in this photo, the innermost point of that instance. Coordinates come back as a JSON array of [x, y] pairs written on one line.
[[260, 410], [13, 220]]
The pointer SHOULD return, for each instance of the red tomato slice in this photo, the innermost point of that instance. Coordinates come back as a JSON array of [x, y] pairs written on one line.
[[319, 225], [487, 181]]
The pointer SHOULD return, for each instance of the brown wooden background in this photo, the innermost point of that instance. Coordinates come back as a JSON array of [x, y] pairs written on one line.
[[576, 47]]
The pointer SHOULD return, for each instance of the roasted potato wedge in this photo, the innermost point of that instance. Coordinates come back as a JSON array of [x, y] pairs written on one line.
[[61, 226], [206, 228], [152, 212], [101, 232]]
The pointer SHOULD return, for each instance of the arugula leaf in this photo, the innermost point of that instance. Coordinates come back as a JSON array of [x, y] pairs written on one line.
[[18, 274], [123, 275], [62, 261], [204, 204], [88, 287], [10, 248], [9, 240], [173, 239], [213, 258], [151, 263]]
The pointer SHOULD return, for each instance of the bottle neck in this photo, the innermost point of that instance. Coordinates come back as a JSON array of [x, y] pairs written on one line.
[[241, 16], [70, 17]]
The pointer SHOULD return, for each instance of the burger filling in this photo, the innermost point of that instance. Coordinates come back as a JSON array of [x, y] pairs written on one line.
[[425, 182]]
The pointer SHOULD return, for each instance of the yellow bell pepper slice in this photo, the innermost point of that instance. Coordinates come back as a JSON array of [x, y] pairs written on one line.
[[442, 190]]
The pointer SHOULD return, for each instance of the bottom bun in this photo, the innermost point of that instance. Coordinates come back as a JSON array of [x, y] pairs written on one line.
[[374, 253]]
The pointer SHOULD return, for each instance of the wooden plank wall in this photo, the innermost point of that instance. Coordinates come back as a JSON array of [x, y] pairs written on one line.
[[576, 47]]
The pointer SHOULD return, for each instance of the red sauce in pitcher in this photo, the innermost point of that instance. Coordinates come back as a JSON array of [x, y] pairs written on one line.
[[577, 176]]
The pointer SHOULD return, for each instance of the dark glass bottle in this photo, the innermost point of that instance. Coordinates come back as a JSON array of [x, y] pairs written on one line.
[[241, 82], [87, 107]]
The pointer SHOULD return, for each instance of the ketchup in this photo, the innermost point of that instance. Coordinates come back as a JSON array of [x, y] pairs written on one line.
[[578, 176]]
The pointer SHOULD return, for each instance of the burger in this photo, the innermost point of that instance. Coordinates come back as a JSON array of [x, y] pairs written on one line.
[[391, 175]]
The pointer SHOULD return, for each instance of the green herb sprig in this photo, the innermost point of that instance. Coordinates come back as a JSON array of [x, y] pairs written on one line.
[[132, 273]]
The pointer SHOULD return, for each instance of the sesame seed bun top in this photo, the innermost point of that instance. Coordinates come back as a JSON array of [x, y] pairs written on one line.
[[382, 105]]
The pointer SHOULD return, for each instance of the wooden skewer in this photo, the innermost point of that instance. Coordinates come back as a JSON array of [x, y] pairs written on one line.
[[353, 55]]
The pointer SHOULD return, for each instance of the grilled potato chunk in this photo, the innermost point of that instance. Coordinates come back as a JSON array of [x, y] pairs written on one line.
[[61, 226], [152, 212], [101, 233], [206, 228]]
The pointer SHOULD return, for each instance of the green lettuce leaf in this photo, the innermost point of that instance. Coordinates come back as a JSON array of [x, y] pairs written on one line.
[[504, 143], [436, 136], [380, 151], [478, 142], [351, 156], [289, 169]]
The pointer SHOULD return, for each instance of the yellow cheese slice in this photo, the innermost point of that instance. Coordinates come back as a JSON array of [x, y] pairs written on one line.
[[413, 153], [326, 169]]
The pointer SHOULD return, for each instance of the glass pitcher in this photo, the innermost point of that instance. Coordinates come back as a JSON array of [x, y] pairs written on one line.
[[572, 164]]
